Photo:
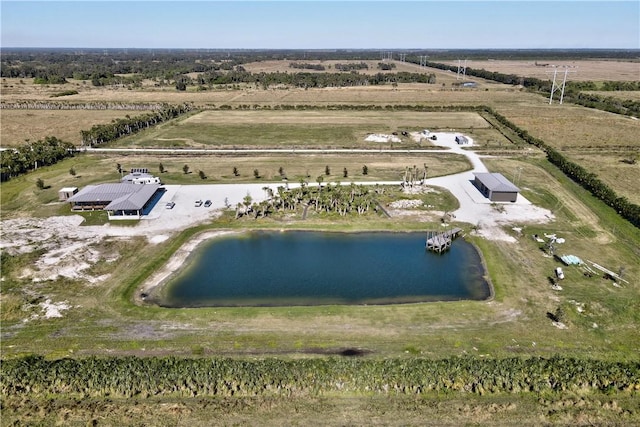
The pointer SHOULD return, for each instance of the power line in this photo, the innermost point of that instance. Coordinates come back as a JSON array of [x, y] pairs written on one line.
[[557, 86], [462, 69]]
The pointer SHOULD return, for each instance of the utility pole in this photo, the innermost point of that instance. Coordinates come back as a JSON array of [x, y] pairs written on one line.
[[462, 69], [559, 86]]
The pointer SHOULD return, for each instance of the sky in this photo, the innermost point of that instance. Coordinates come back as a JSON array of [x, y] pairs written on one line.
[[347, 24]]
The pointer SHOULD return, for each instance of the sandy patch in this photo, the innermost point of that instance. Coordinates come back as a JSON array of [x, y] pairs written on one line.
[[158, 239], [406, 204], [177, 261], [379, 137], [49, 310]]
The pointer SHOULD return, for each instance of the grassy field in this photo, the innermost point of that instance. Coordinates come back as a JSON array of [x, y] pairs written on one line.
[[102, 320], [302, 129], [21, 195], [620, 94], [615, 168], [596, 140], [409, 93], [332, 410], [32, 125], [601, 318]]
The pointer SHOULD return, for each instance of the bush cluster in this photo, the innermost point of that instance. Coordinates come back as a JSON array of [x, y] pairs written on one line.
[[169, 376]]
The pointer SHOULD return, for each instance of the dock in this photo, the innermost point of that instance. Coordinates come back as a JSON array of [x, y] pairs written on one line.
[[440, 241]]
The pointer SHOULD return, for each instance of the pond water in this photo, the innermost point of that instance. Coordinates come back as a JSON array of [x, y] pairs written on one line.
[[314, 268]]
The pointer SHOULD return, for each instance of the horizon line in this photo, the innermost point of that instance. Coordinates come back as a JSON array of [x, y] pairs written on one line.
[[321, 48]]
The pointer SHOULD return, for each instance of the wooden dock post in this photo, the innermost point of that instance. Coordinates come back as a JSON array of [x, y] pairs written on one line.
[[441, 241]]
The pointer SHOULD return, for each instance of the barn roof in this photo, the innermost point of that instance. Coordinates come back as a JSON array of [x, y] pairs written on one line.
[[496, 182], [120, 196]]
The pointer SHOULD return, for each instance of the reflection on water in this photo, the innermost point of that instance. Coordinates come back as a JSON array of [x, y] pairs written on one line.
[[313, 268]]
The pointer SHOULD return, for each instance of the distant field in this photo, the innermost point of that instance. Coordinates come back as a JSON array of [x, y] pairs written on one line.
[[594, 139], [613, 170], [319, 129], [18, 125], [569, 127], [409, 93], [595, 70], [282, 66], [619, 94]]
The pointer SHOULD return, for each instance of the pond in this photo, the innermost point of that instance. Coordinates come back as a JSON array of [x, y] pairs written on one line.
[[316, 268]]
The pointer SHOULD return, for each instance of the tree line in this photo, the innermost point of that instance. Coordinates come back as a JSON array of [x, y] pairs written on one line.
[[306, 66], [32, 155], [306, 79], [118, 128], [66, 105], [351, 66], [125, 377], [82, 63]]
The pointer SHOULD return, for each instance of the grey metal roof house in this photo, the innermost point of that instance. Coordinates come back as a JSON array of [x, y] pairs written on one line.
[[496, 187], [121, 201]]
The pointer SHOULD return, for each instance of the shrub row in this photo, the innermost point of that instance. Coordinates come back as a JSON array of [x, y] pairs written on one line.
[[350, 107], [65, 105], [135, 376]]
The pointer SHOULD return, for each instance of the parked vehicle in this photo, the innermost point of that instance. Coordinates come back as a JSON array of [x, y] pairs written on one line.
[[559, 273], [198, 203], [207, 203], [170, 205]]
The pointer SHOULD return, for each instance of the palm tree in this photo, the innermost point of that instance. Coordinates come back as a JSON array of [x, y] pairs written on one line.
[[247, 200]]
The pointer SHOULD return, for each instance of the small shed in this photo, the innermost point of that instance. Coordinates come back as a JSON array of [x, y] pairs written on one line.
[[66, 192], [496, 187], [461, 140]]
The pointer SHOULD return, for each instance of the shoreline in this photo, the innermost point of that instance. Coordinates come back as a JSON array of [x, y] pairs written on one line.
[[158, 279]]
